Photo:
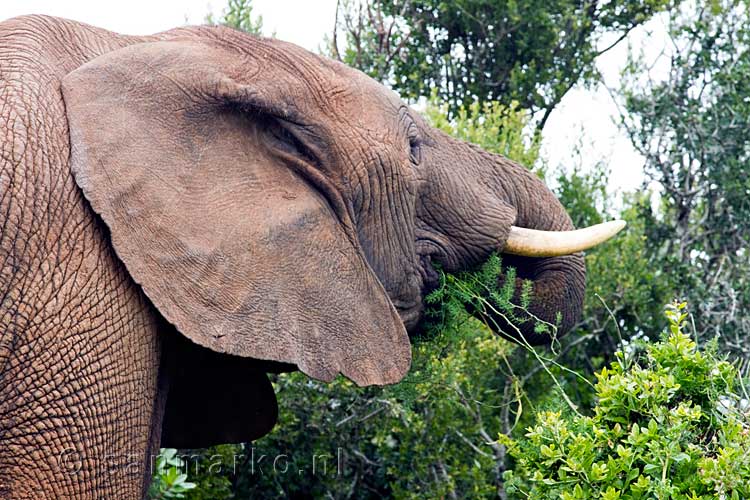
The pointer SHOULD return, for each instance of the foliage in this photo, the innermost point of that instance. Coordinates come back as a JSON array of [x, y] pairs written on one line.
[[169, 478], [382, 445], [626, 284], [212, 471], [238, 14], [691, 127], [670, 422], [495, 127], [529, 52], [477, 290]]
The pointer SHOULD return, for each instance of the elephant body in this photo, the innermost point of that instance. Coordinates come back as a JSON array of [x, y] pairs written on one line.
[[77, 335], [151, 258]]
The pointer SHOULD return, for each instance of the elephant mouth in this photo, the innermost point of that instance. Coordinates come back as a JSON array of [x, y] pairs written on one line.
[[411, 316], [430, 276]]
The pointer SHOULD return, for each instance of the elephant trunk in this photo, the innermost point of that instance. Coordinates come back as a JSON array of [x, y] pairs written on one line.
[[481, 203], [558, 285], [558, 281]]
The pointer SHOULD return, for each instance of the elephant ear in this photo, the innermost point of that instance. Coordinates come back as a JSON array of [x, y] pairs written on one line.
[[241, 252]]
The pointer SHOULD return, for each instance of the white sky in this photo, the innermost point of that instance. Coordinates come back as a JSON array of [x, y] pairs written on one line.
[[584, 117]]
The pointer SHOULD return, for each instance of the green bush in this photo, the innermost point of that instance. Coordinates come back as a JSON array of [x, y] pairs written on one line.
[[671, 421], [170, 479]]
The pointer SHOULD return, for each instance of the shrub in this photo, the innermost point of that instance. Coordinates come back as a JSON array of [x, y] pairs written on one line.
[[170, 480], [671, 421]]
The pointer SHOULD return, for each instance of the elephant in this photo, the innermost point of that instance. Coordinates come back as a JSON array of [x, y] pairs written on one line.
[[184, 213]]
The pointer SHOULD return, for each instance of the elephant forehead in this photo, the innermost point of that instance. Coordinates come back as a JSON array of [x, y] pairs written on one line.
[[369, 106]]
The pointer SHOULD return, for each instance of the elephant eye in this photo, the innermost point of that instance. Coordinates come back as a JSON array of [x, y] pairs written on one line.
[[286, 140]]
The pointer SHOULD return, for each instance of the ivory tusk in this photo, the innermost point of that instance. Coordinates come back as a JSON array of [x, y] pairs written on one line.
[[535, 243]]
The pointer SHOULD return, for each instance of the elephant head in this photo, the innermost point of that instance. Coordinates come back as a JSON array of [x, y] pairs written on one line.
[[278, 206]]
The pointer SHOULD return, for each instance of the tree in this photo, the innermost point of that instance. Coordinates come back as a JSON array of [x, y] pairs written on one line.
[[238, 14], [530, 52], [692, 130]]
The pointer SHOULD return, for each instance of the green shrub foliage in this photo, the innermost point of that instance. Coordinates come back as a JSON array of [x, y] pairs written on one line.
[[169, 476], [691, 127], [671, 421]]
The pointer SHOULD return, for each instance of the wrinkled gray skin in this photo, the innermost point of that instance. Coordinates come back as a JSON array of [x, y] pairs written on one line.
[[202, 187]]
